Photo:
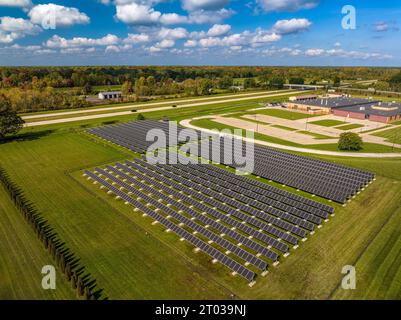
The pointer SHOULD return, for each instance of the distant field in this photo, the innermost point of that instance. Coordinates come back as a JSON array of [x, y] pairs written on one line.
[[328, 123]]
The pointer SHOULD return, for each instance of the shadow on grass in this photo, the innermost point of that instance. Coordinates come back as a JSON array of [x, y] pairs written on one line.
[[27, 136]]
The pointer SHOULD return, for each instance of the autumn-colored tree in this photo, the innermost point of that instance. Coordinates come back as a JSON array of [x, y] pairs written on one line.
[[10, 122]]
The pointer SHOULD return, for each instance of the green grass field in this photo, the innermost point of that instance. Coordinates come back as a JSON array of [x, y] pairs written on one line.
[[316, 135], [328, 123], [350, 126], [284, 114], [392, 135], [367, 147], [284, 127], [22, 257], [131, 259]]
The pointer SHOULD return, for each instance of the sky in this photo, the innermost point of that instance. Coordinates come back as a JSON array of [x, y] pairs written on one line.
[[200, 32]]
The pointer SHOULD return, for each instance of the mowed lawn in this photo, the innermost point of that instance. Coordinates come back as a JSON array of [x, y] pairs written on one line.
[[378, 270], [284, 114], [126, 262], [367, 147], [313, 271], [392, 135], [328, 123], [132, 259], [22, 257]]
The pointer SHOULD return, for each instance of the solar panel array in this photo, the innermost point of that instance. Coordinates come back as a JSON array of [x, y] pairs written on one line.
[[132, 135], [242, 223], [325, 179], [321, 178]]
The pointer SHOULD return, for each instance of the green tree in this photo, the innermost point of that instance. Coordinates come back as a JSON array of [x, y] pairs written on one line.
[[249, 83], [140, 117], [297, 80], [126, 88], [204, 86], [277, 83], [225, 82], [10, 122], [350, 141], [87, 89], [337, 81]]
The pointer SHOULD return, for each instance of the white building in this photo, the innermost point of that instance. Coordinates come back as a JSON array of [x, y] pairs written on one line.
[[110, 95]]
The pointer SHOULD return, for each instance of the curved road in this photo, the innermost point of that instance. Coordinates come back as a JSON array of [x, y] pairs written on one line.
[[187, 123]]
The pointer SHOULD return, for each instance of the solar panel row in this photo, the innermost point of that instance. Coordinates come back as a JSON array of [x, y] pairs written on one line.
[[321, 178], [132, 135], [242, 194], [192, 195], [328, 180], [195, 204], [210, 250], [262, 265], [235, 211]]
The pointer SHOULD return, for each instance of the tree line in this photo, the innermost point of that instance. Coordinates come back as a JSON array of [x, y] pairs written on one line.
[[67, 262], [67, 77]]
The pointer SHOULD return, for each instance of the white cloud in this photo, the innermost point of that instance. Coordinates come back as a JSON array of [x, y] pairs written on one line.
[[12, 29], [190, 43], [136, 38], [18, 25], [137, 14], [63, 16], [341, 53], [219, 30], [173, 18], [263, 37], [193, 5], [59, 42], [154, 49], [15, 3], [165, 44], [291, 26], [287, 5], [205, 17], [113, 49], [210, 42], [172, 34], [314, 52]]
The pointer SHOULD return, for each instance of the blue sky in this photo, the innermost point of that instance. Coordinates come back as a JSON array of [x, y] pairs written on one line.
[[199, 32]]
